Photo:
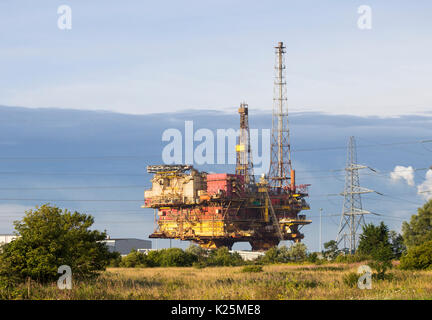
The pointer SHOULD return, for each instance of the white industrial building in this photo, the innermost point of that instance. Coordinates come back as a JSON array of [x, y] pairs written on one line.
[[125, 245], [6, 238], [121, 245], [248, 255]]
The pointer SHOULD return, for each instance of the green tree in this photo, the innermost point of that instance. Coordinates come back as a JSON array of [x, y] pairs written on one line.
[[173, 257], [134, 259], [371, 237], [198, 251], [50, 237], [274, 255], [298, 252], [154, 258], [115, 260], [375, 242], [222, 257], [331, 250], [419, 229], [418, 257], [313, 257], [397, 244], [176, 257], [381, 259]]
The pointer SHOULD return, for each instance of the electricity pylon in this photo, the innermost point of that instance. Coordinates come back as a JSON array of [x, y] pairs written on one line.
[[352, 212]]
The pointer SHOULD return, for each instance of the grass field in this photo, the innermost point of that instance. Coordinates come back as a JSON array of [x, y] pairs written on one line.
[[275, 282]]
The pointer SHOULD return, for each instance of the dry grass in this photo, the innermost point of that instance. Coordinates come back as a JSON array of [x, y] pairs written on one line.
[[275, 282]]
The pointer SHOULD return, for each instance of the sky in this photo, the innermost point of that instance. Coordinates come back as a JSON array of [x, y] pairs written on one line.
[[151, 65], [141, 57], [95, 163]]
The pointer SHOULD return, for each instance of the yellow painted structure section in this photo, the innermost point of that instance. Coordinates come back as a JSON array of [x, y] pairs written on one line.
[[206, 228], [266, 215], [209, 245], [240, 147]]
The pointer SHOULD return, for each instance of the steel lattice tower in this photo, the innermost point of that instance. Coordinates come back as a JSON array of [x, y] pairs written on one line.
[[280, 155], [352, 212]]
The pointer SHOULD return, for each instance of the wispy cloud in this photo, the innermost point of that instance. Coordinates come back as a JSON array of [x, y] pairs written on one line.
[[425, 189], [403, 173]]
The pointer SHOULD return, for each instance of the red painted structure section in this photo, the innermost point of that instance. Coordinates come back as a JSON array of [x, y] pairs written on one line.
[[231, 185]]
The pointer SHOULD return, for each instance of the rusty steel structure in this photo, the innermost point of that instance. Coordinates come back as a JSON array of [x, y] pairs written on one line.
[[244, 163], [217, 210]]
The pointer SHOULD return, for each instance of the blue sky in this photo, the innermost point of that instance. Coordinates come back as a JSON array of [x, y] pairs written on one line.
[[145, 56], [156, 59]]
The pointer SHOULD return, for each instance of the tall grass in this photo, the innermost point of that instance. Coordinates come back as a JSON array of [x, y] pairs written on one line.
[[274, 282]]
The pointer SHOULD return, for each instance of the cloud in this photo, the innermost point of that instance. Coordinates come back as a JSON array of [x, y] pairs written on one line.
[[425, 189], [404, 173]]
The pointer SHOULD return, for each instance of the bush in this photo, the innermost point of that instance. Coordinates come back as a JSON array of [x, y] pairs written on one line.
[[197, 251], [154, 258], [222, 257], [272, 255], [418, 257], [199, 265], [115, 260], [331, 250], [176, 257], [312, 257], [351, 279], [51, 237], [8, 282], [134, 259], [9, 290], [298, 252], [252, 268], [419, 229], [381, 260], [173, 257], [283, 254]]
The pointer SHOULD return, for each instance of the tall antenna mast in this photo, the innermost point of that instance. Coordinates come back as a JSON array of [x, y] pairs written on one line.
[[244, 164], [352, 212], [280, 157]]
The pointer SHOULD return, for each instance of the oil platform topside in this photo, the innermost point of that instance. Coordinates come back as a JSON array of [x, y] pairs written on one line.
[[217, 210]]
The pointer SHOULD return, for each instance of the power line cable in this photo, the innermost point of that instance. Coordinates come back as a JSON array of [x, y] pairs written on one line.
[[74, 188], [72, 200], [138, 157]]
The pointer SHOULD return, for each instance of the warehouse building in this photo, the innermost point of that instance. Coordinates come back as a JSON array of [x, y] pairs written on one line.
[[248, 255], [126, 245]]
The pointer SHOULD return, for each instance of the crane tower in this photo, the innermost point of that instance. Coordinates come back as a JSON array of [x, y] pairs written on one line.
[[244, 166], [280, 156]]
